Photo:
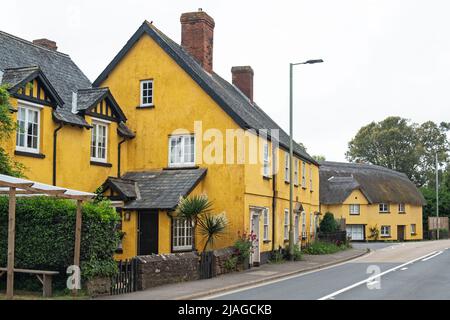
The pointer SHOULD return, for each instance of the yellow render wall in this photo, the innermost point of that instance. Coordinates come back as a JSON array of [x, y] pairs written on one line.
[[178, 103], [74, 169]]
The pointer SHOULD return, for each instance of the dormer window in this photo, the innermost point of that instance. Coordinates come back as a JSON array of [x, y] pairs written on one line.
[[146, 93], [27, 137], [99, 141]]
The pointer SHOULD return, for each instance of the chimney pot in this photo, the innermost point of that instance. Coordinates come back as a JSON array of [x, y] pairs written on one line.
[[197, 35], [243, 79], [46, 43]]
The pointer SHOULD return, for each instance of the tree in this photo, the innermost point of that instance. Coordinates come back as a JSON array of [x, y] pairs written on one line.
[[319, 158], [397, 144], [198, 210], [429, 193], [7, 126], [328, 223]]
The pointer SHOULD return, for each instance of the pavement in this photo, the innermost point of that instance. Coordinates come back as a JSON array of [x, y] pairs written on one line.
[[413, 270], [233, 281]]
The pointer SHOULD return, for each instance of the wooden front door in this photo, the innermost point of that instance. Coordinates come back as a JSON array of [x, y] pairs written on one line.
[[254, 223], [401, 233], [148, 226]]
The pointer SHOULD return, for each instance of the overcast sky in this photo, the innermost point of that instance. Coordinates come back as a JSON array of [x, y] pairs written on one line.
[[382, 58]]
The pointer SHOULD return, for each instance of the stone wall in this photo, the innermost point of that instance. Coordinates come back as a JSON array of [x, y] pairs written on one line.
[[221, 256], [156, 270], [98, 287]]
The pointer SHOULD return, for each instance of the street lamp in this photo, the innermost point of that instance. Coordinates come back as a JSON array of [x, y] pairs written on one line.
[[291, 154]]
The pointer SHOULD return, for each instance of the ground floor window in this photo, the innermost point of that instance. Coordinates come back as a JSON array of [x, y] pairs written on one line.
[[286, 224], [304, 225], [266, 224], [182, 234], [413, 229], [385, 231]]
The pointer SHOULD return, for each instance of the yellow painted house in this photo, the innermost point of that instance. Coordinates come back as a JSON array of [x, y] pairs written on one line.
[[158, 124], [196, 133], [373, 201], [68, 132]]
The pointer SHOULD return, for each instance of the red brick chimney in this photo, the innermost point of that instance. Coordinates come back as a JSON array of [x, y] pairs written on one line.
[[197, 34], [243, 79], [49, 44]]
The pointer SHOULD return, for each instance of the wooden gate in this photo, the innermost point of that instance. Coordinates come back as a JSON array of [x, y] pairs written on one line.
[[125, 281], [207, 265]]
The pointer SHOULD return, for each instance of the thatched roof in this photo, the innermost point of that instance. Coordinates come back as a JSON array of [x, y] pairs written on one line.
[[378, 184]]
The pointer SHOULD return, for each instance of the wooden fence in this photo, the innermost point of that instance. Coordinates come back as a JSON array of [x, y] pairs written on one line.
[[126, 279]]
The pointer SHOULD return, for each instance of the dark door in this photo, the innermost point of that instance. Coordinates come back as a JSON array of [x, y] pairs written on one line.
[[401, 233], [148, 232]]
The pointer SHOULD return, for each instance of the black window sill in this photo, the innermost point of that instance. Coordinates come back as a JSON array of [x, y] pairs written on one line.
[[267, 241], [146, 107], [29, 154], [267, 178], [182, 168], [182, 251], [384, 237], [402, 213], [119, 251], [286, 182], [385, 212], [304, 188], [101, 164]]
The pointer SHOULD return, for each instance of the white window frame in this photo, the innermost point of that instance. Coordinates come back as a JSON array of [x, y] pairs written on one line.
[[266, 221], [296, 172], [99, 123], [303, 174], [182, 241], [148, 104], [401, 208], [311, 223], [310, 179], [32, 107], [286, 224], [182, 163], [287, 171], [383, 207], [304, 225], [413, 229], [266, 160], [352, 210], [383, 231]]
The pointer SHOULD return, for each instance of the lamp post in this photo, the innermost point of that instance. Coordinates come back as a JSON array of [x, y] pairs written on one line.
[[291, 154], [437, 196]]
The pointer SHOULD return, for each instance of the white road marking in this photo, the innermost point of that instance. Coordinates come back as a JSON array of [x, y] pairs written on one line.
[[431, 257], [213, 296], [331, 295], [403, 269]]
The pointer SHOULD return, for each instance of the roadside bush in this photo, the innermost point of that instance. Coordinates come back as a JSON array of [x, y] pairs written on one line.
[[45, 237], [328, 223], [320, 247], [244, 246]]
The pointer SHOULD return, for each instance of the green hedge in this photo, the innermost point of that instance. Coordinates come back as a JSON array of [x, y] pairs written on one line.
[[45, 236]]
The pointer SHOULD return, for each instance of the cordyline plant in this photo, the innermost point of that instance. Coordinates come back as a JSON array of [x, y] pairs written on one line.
[[197, 209]]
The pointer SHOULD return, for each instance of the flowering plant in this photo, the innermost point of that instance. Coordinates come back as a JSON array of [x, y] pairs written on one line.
[[244, 245]]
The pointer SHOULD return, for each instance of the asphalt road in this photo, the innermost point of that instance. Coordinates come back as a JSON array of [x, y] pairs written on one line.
[[418, 270]]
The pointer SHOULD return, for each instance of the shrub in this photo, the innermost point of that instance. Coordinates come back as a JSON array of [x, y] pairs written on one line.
[[277, 256], [328, 223], [230, 263], [320, 247], [45, 236], [244, 246]]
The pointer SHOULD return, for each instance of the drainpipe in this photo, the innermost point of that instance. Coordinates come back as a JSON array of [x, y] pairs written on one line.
[[274, 195], [118, 156], [55, 138]]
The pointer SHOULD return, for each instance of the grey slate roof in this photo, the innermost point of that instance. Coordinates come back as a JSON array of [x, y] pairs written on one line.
[[160, 189], [124, 131], [246, 114], [61, 71], [86, 98], [378, 184], [15, 76]]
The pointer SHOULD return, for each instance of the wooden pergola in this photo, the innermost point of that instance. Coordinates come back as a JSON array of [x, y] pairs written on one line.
[[13, 187]]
